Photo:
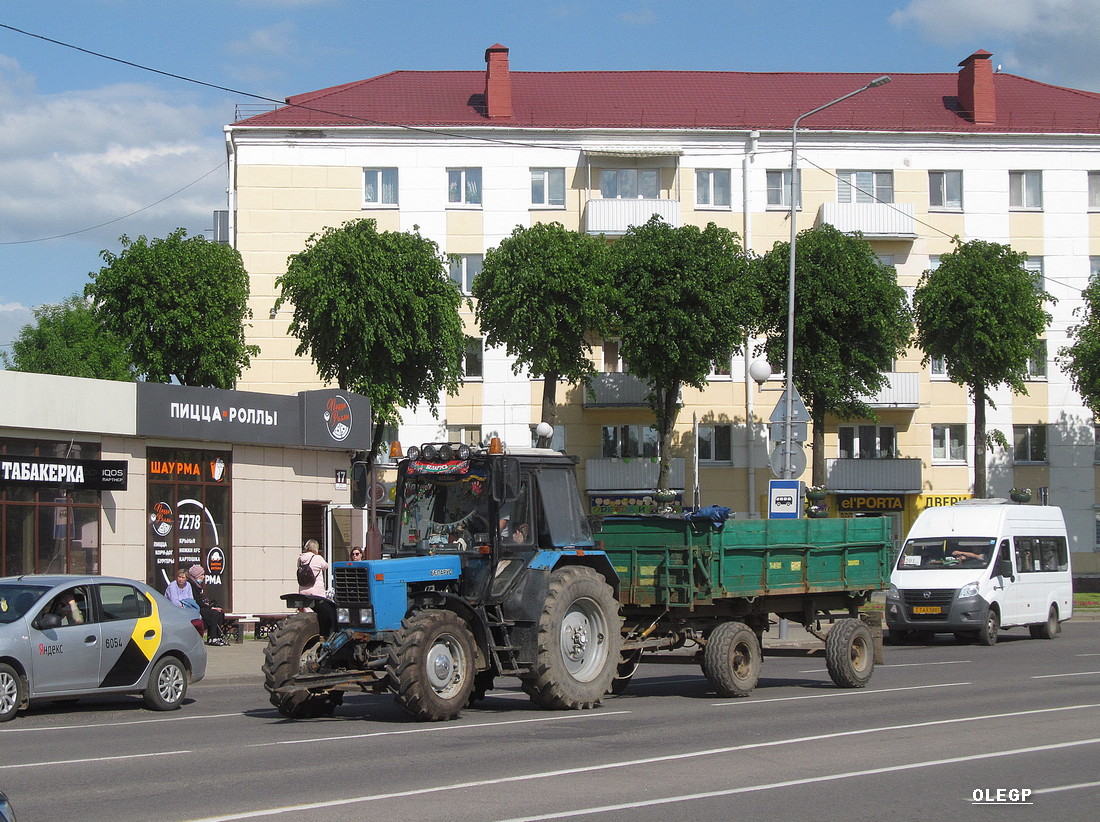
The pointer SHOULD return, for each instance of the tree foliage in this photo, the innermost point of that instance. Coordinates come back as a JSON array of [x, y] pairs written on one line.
[[982, 312], [683, 301], [1081, 358], [538, 293], [377, 315], [68, 339], [851, 319], [179, 305]]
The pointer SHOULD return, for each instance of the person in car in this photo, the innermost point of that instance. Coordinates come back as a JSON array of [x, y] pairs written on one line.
[[66, 607]]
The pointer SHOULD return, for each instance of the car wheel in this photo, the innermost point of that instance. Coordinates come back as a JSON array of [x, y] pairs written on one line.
[[167, 685], [12, 692]]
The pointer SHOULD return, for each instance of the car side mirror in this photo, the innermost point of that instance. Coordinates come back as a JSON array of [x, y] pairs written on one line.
[[1004, 567], [47, 622]]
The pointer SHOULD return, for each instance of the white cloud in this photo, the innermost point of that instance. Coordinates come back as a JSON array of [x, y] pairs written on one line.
[[277, 41], [74, 160], [1048, 40]]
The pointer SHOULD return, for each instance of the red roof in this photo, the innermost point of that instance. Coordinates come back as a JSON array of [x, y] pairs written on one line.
[[687, 99]]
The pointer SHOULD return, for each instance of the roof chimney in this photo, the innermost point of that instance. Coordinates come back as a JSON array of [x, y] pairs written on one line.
[[977, 99], [498, 83]]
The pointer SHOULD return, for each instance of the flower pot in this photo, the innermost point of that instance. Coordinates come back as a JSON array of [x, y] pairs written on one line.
[[817, 513], [1020, 496], [816, 494]]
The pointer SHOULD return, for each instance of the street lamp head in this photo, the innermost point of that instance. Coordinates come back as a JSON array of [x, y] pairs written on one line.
[[760, 371], [881, 81]]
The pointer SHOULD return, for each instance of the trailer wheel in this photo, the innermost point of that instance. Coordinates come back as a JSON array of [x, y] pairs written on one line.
[[579, 641], [987, 634], [291, 649], [732, 659], [431, 665], [1048, 629], [850, 653]]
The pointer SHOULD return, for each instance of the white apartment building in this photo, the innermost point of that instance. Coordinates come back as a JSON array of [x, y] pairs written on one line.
[[466, 156]]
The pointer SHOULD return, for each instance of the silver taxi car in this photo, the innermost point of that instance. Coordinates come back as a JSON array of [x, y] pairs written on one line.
[[67, 636]]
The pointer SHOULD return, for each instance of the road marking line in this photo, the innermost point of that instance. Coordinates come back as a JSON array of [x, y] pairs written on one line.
[[1055, 676], [632, 763], [116, 724], [53, 762], [807, 781], [1058, 788], [436, 728], [834, 694], [900, 665]]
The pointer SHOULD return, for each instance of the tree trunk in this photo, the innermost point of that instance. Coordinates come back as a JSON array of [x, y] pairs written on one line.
[[817, 470], [549, 405], [666, 402], [980, 450]]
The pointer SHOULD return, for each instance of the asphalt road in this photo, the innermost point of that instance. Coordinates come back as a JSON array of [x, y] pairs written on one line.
[[938, 727]]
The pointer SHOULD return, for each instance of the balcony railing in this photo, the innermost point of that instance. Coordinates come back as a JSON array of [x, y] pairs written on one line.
[[616, 390], [609, 216], [637, 474], [904, 474], [874, 220], [902, 391]]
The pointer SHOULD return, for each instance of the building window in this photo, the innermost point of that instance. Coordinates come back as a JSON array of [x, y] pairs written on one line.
[[1094, 268], [629, 441], [464, 267], [721, 370], [473, 359], [629, 183], [612, 361], [949, 442], [712, 187], [464, 186], [557, 441], [715, 443], [938, 366], [1096, 444], [389, 435], [548, 186], [866, 442], [945, 190], [865, 186], [1094, 191], [380, 186], [1025, 189], [1029, 443], [779, 189], [465, 434], [1037, 362], [1035, 266]]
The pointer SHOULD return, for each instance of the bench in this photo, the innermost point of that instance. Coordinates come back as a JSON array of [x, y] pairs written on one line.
[[262, 625]]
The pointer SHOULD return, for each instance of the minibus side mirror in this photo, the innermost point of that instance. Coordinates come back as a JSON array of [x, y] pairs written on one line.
[[1004, 568]]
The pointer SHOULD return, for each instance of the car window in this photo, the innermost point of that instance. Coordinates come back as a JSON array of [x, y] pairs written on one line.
[[17, 600], [72, 605], [122, 602]]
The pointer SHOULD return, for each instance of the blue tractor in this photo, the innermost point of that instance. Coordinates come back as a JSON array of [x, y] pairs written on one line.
[[493, 572]]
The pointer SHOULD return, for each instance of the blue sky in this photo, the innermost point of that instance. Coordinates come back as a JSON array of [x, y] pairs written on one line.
[[91, 149]]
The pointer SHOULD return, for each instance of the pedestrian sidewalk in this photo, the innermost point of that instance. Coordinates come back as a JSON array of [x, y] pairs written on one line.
[[233, 663]]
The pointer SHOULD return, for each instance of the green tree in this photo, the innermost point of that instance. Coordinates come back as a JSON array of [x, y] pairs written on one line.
[[683, 301], [982, 312], [1081, 358], [538, 293], [179, 305], [69, 339], [851, 319], [377, 314]]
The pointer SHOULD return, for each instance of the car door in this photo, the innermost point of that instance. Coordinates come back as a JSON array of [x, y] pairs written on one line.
[[131, 635], [66, 657]]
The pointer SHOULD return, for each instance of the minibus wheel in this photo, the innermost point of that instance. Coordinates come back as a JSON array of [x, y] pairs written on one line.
[[987, 634], [1048, 629]]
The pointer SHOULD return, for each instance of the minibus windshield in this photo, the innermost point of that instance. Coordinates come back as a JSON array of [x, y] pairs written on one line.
[[946, 552]]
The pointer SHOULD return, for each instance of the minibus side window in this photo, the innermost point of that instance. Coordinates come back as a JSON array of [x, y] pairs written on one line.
[[1052, 554], [1025, 554]]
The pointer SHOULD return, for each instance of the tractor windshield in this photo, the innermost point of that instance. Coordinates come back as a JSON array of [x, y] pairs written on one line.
[[444, 512]]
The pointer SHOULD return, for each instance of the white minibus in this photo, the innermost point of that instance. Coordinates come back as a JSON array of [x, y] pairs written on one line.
[[978, 566]]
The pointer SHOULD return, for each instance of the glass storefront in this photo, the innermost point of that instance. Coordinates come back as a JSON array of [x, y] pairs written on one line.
[[48, 527]]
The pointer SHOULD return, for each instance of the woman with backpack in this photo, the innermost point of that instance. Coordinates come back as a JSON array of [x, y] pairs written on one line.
[[311, 570]]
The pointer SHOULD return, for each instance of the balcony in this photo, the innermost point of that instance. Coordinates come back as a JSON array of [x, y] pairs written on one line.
[[616, 390], [903, 475], [881, 221], [637, 474], [902, 391], [606, 216]]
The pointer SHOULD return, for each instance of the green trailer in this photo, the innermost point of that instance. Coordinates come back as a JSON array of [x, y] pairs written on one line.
[[717, 589]]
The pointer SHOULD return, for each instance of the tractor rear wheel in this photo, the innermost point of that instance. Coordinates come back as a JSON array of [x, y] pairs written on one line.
[[292, 649], [579, 641], [850, 653], [431, 665]]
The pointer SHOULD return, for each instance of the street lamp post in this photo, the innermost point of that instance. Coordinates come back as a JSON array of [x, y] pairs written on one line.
[[788, 393]]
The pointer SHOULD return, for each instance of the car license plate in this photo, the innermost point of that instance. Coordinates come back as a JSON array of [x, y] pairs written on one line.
[[927, 609]]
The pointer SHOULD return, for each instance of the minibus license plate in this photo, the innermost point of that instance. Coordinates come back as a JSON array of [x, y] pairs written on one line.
[[926, 609]]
